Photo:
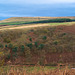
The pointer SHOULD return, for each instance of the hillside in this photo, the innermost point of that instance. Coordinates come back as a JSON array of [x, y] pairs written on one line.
[[56, 20], [43, 43], [26, 19], [36, 45]]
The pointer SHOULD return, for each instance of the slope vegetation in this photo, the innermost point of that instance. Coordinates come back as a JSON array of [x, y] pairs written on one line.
[[26, 19], [43, 45]]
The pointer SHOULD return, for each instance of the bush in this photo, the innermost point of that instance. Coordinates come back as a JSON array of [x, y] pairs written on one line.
[[15, 49], [15, 55], [41, 46], [6, 46], [64, 34], [2, 60], [22, 48], [10, 45], [55, 42], [36, 44], [30, 39], [1, 46], [28, 56], [44, 37], [30, 45], [7, 40], [8, 56]]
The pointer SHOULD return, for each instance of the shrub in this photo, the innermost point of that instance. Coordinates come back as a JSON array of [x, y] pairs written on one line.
[[10, 45], [8, 56], [1, 46], [15, 55], [1, 59], [36, 44], [55, 42], [64, 34], [30, 39], [2, 62], [7, 40], [15, 49], [44, 37], [30, 45], [28, 56], [6, 46], [42, 57], [22, 48], [41, 46]]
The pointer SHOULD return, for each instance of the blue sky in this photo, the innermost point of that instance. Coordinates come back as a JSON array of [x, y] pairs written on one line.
[[32, 8]]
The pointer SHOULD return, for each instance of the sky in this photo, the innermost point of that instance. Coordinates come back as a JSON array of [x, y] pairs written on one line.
[[35, 8]]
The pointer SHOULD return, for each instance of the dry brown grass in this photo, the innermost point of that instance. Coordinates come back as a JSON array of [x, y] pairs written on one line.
[[22, 27], [41, 72], [36, 70], [25, 19]]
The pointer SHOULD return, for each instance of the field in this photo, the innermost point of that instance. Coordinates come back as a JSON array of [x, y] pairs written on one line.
[[27, 19], [35, 71], [27, 26], [40, 48], [35, 20]]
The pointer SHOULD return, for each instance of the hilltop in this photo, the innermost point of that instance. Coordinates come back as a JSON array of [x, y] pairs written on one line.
[[27, 19]]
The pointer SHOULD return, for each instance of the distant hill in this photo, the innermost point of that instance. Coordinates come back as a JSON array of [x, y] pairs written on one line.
[[2, 18], [26, 19]]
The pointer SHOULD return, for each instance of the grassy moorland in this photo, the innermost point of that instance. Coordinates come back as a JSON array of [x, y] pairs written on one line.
[[27, 19], [37, 47], [24, 19], [58, 20]]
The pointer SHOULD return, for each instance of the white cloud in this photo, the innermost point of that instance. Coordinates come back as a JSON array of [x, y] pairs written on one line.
[[35, 2]]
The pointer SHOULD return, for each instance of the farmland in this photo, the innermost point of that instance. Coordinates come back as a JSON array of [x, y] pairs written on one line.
[[37, 45]]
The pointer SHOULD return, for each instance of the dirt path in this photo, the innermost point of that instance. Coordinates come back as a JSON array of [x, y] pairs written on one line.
[[22, 27]]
